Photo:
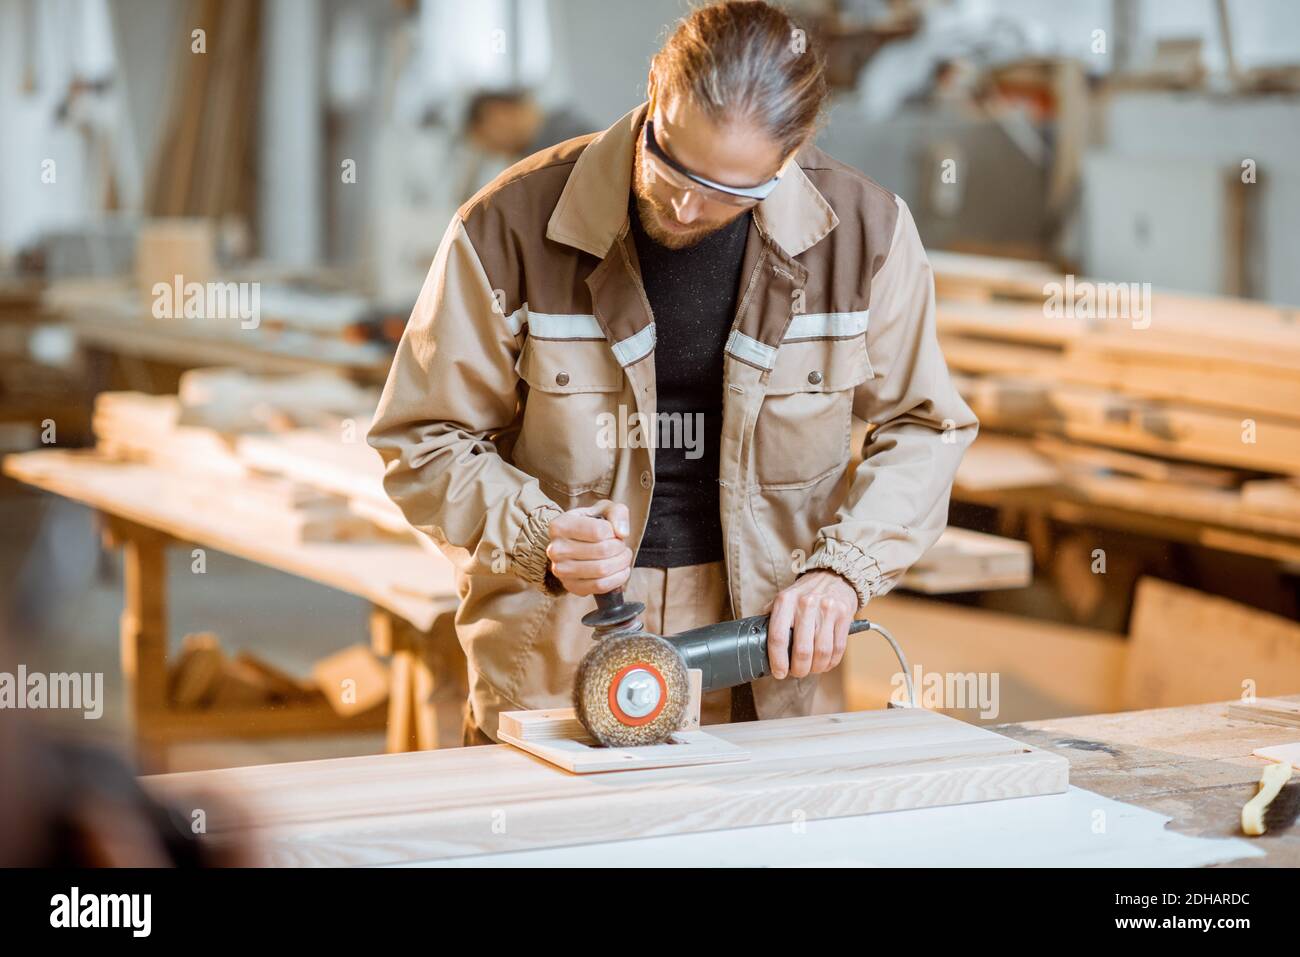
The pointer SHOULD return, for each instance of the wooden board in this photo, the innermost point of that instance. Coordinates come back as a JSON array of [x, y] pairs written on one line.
[[1091, 458], [963, 560], [1278, 496], [350, 469], [1002, 462], [1187, 647], [556, 736], [353, 679], [964, 274], [1114, 363], [1178, 500], [1203, 435], [388, 809], [1290, 752], [1267, 711]]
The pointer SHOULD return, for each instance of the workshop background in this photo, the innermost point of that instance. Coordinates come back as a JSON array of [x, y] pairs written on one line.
[[1108, 189]]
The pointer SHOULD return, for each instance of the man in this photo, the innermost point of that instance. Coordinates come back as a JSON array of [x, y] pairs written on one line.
[[702, 260]]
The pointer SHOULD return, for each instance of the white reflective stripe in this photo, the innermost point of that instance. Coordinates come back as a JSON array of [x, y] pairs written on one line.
[[547, 325], [516, 319], [751, 350], [629, 350], [827, 325]]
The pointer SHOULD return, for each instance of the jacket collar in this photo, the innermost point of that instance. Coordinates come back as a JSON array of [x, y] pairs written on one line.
[[592, 211]]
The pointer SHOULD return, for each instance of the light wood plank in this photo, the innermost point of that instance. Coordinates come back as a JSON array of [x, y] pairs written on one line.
[[1267, 711], [556, 735], [452, 803]]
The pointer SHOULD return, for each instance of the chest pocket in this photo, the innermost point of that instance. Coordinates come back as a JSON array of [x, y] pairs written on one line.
[[803, 428], [573, 391]]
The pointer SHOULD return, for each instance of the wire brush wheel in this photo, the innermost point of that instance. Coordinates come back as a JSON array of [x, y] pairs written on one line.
[[631, 691]]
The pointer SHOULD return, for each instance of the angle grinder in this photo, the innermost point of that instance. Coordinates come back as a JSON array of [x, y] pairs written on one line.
[[631, 688]]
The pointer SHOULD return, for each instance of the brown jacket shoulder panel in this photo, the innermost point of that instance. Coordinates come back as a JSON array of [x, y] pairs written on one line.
[[506, 221], [846, 260]]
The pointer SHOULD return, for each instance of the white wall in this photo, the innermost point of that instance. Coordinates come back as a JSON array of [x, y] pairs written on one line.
[[603, 50], [68, 38]]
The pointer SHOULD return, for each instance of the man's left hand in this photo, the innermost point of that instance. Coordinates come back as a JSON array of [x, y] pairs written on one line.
[[818, 608]]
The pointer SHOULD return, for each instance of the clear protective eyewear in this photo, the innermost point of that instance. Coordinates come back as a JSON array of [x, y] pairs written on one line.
[[667, 169]]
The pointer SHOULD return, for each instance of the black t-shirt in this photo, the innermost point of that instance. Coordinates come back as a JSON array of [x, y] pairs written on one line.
[[692, 294]]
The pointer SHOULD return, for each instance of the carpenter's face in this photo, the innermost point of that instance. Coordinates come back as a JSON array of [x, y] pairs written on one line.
[[674, 211]]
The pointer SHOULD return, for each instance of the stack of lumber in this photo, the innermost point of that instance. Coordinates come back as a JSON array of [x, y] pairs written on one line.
[[219, 436], [1188, 412]]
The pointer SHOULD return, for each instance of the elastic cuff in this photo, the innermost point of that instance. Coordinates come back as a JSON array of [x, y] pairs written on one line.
[[529, 552], [849, 562]]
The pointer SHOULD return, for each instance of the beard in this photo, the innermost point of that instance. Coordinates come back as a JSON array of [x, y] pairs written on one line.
[[658, 218]]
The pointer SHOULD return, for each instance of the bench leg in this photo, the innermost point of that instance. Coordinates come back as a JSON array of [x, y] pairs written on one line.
[[428, 682], [143, 635]]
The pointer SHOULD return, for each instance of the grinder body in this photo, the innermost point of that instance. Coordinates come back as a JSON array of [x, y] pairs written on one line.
[[732, 653]]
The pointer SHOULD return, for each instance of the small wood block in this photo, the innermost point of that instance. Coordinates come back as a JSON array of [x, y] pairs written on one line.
[[353, 680], [556, 735], [1267, 711], [197, 673]]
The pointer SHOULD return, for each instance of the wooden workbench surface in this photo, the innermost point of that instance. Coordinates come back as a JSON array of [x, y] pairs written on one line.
[[1192, 763], [404, 578]]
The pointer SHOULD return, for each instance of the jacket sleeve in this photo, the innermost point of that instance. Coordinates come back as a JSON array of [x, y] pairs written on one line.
[[897, 505], [451, 390]]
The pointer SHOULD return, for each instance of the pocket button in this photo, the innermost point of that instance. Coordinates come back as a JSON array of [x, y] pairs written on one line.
[[561, 378], [815, 377]]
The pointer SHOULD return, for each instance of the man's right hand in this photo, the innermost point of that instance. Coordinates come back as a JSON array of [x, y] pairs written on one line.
[[588, 550]]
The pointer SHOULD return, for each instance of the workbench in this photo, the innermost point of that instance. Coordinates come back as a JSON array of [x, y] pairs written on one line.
[[411, 591], [486, 805]]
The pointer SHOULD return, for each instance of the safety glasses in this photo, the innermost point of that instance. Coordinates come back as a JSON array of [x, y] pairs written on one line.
[[663, 167]]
